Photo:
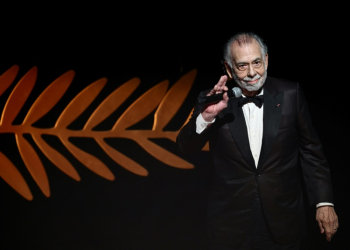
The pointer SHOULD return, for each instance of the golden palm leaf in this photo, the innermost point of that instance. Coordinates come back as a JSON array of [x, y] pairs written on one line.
[[164, 102]]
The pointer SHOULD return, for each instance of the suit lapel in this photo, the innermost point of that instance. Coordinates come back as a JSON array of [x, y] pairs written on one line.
[[239, 132], [273, 104]]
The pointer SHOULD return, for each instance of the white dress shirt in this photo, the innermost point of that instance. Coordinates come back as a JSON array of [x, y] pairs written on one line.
[[254, 120]]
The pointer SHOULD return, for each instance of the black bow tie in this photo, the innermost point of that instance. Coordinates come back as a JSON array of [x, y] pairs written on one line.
[[258, 100]]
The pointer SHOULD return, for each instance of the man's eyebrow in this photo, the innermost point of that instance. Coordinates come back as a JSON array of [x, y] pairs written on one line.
[[244, 62]]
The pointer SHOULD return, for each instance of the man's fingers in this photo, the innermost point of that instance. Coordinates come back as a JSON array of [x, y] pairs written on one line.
[[222, 81], [329, 233], [220, 86], [321, 227]]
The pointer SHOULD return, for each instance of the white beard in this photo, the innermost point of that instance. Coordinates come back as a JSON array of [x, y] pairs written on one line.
[[249, 87]]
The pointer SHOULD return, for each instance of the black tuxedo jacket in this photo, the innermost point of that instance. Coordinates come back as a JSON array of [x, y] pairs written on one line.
[[291, 153]]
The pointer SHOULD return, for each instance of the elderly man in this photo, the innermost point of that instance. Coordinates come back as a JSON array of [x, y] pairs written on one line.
[[263, 146]]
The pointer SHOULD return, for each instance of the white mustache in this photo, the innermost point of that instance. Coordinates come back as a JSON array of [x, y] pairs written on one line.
[[247, 78]]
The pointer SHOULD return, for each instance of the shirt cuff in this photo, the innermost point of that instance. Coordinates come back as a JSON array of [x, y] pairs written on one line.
[[324, 204], [201, 124]]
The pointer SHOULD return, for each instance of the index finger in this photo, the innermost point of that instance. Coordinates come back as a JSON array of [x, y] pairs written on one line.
[[328, 228], [222, 81]]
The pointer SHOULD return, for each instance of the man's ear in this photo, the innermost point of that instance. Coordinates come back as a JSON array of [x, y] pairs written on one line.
[[228, 70], [266, 60]]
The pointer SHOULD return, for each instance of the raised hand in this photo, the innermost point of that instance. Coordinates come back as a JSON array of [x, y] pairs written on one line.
[[210, 111]]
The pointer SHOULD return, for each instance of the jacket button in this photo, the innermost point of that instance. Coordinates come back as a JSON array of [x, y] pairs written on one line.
[[257, 175]]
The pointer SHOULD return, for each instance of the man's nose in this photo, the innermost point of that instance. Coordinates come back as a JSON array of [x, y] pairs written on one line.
[[251, 71]]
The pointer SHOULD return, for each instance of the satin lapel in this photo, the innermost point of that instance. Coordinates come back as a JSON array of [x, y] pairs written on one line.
[[239, 132], [272, 116]]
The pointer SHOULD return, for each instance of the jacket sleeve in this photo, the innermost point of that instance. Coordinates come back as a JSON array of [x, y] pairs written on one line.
[[188, 141], [315, 169]]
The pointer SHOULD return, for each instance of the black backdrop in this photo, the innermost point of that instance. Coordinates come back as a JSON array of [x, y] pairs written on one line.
[[166, 209]]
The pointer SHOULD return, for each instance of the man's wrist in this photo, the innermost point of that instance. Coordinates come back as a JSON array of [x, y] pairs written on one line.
[[202, 124]]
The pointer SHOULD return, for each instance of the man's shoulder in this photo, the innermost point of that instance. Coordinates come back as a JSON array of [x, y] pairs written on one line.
[[280, 84], [279, 80]]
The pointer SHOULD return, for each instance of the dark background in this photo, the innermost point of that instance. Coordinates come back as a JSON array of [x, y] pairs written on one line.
[[166, 209]]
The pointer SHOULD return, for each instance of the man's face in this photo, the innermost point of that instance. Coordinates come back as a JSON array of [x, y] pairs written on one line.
[[249, 69]]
